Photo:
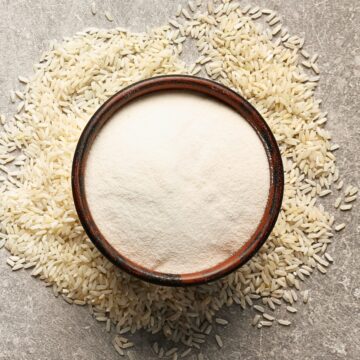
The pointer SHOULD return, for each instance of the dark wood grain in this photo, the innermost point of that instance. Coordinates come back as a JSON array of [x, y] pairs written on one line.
[[208, 88]]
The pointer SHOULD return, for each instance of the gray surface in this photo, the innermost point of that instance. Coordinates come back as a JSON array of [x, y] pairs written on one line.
[[35, 325]]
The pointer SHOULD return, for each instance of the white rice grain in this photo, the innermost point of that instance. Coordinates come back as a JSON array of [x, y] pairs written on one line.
[[93, 8], [108, 16], [192, 6], [23, 79], [266, 323], [337, 202], [276, 30], [268, 317], [305, 296], [178, 11], [171, 351], [221, 321], [284, 322], [256, 319], [259, 308], [185, 353], [350, 199], [219, 341], [340, 227], [346, 207], [288, 256]]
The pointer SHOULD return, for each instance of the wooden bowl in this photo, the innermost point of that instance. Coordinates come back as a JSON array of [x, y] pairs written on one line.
[[212, 90]]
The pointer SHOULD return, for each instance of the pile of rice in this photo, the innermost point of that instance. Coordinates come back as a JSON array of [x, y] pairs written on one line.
[[38, 222]]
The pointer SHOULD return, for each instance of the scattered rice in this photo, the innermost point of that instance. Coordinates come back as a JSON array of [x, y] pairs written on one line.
[[19, 94], [246, 9], [29, 265], [350, 199], [256, 319], [186, 13], [68, 300], [268, 317], [221, 321], [254, 10], [259, 308], [23, 79], [321, 269], [274, 21], [305, 296], [124, 330], [271, 304], [93, 8], [320, 260], [79, 302], [119, 350], [340, 227], [271, 16], [171, 351], [266, 323], [186, 352], [12, 96], [328, 257], [314, 58], [108, 323], [20, 107], [192, 6], [219, 341], [108, 16], [345, 207], [305, 54], [306, 63], [284, 322], [208, 330], [174, 23], [75, 267], [337, 202], [340, 185], [325, 192], [294, 295], [101, 318], [276, 30], [17, 267], [156, 348], [10, 262], [256, 15], [291, 309], [315, 68]]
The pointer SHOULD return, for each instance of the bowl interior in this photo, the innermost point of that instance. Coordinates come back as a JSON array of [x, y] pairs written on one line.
[[212, 90]]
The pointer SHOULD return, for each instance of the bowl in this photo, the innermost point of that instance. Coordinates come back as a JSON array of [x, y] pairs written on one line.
[[217, 92]]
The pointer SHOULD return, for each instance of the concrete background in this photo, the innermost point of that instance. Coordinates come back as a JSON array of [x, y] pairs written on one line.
[[35, 325]]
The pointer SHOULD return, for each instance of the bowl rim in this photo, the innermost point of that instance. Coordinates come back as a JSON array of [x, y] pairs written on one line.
[[201, 86]]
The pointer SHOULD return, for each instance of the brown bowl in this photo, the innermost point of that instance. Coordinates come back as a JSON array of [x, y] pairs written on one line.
[[210, 89]]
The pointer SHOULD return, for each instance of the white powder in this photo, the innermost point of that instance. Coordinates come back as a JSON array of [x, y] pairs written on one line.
[[177, 182]]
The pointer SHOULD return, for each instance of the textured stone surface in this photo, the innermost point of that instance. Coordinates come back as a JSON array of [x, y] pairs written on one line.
[[36, 325]]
